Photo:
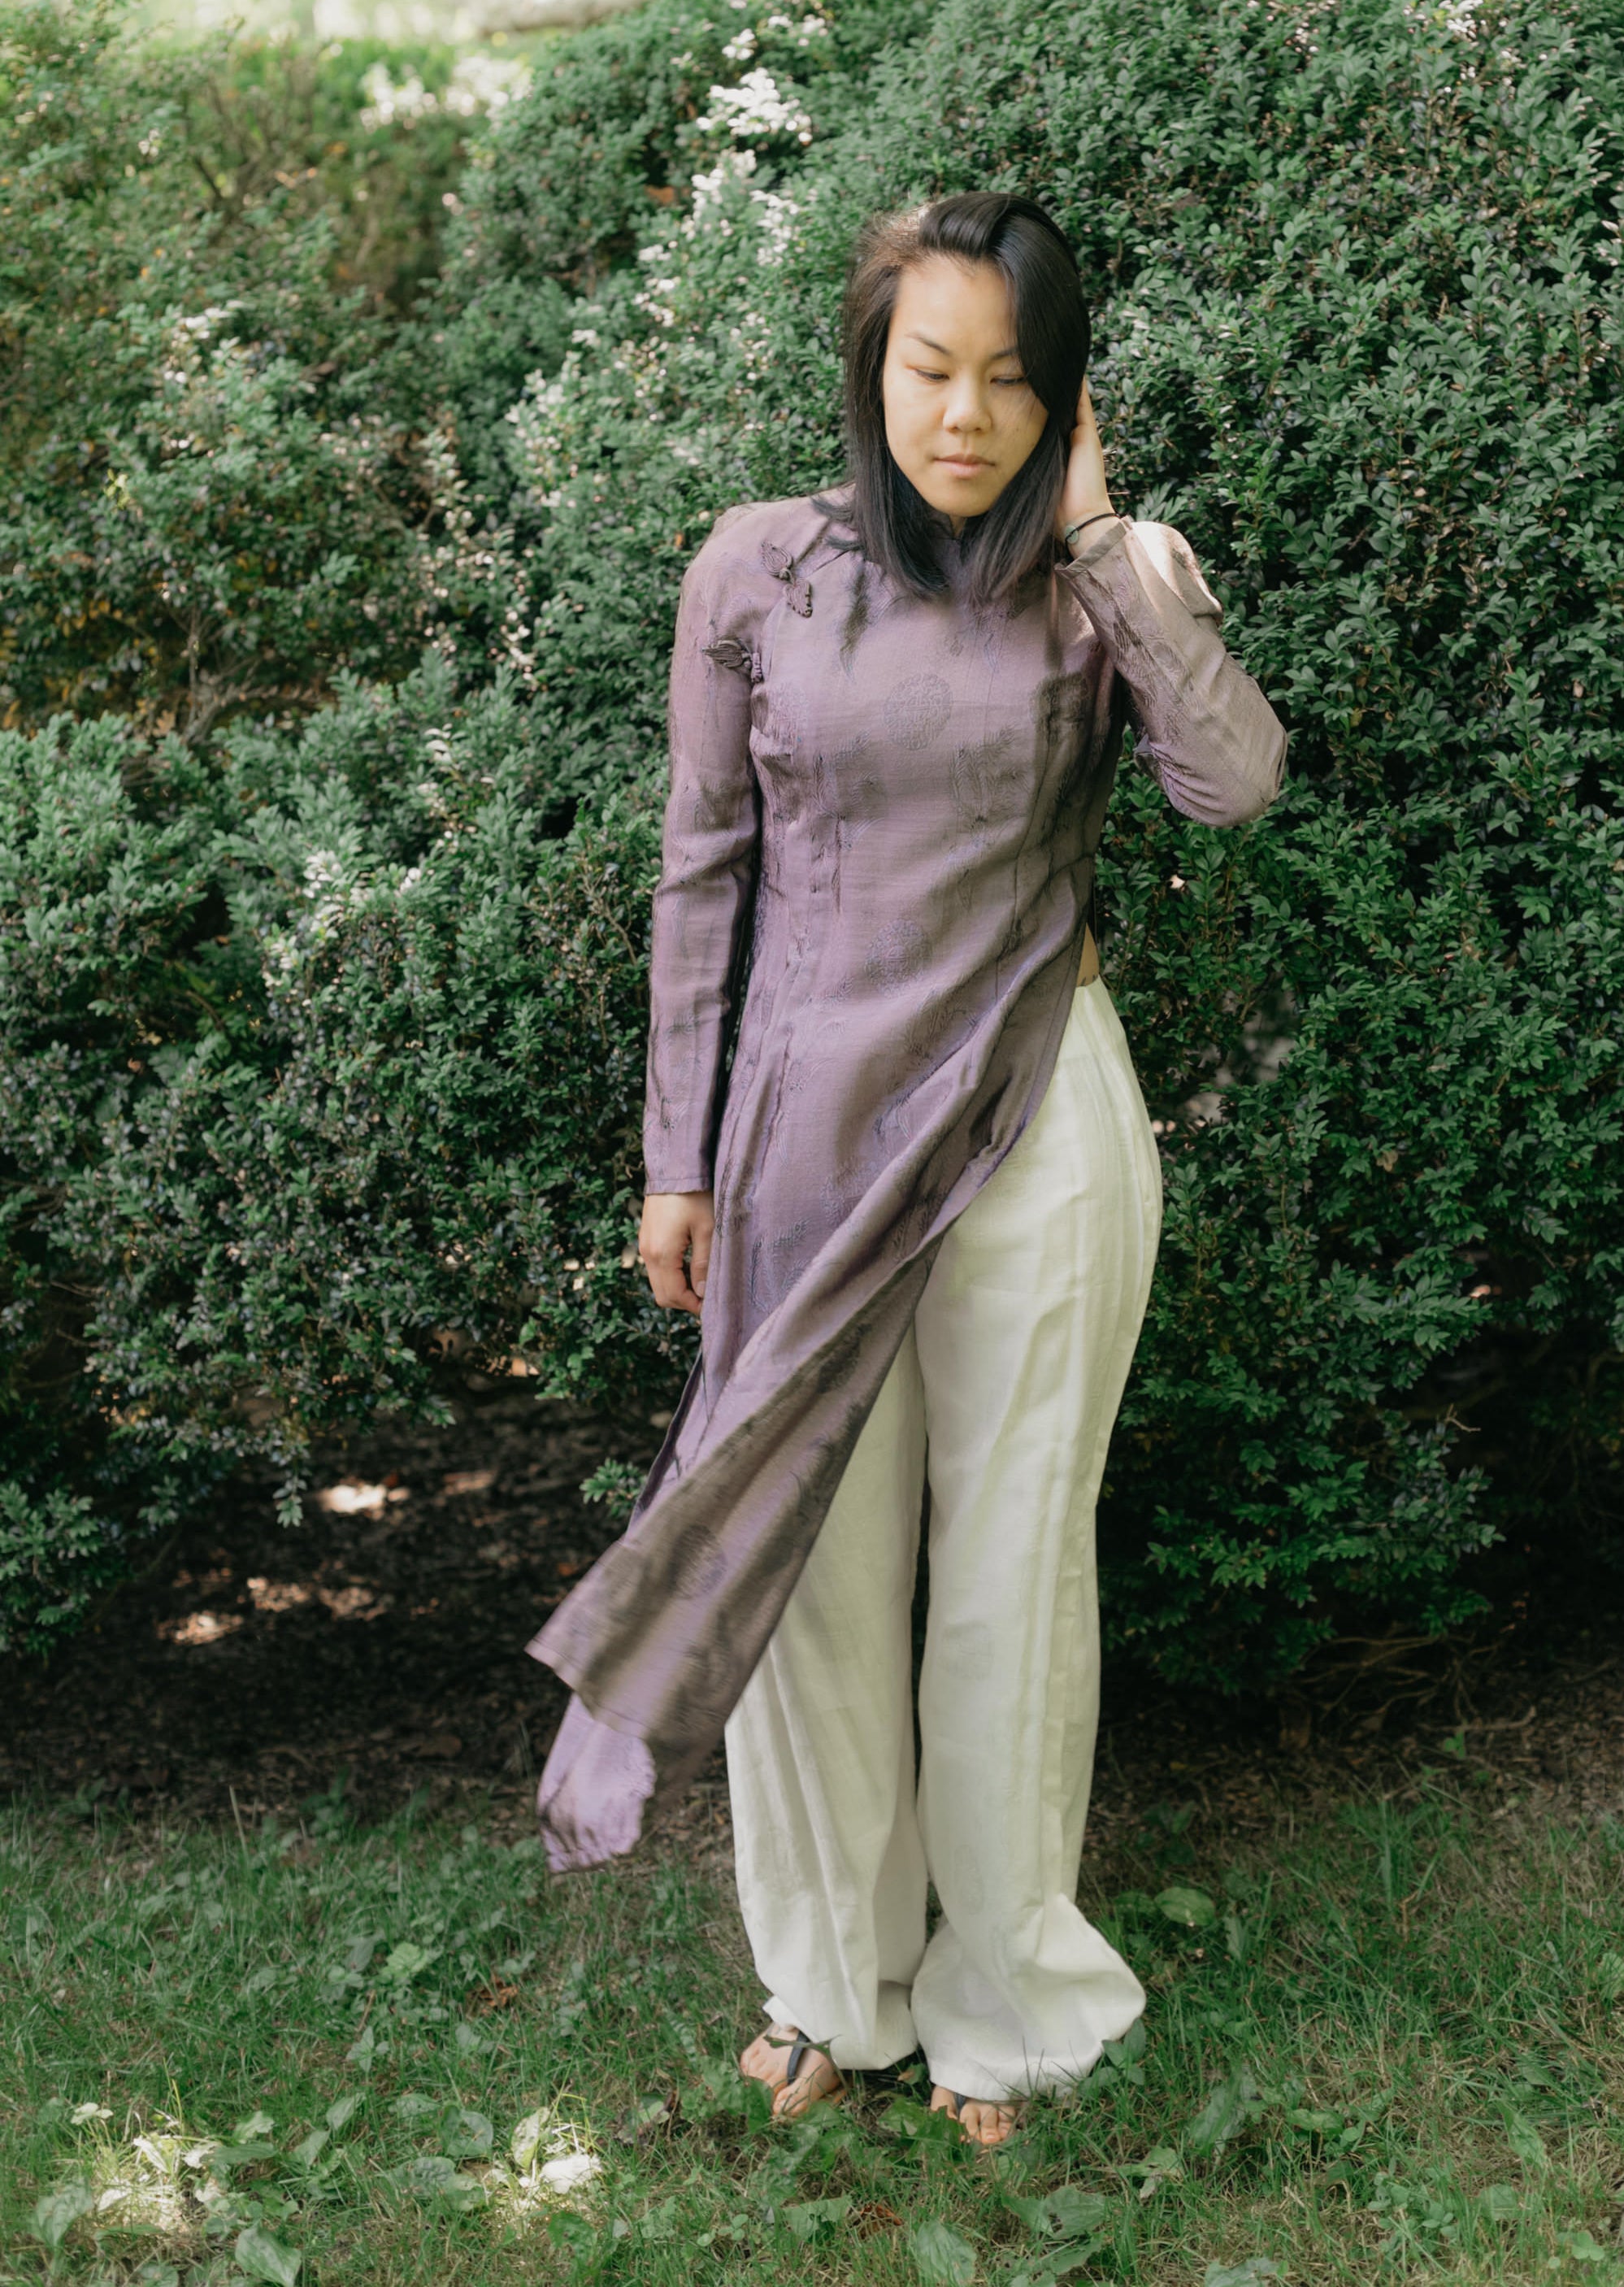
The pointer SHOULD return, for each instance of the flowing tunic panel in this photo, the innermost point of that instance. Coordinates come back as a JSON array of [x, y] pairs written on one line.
[[881, 829]]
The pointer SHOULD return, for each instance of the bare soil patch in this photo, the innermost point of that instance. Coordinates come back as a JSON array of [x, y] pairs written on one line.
[[380, 1649]]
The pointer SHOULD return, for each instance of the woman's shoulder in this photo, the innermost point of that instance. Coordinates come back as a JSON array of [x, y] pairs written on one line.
[[766, 537]]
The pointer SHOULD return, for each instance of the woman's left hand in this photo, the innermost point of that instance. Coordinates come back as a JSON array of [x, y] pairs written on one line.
[[1084, 492]]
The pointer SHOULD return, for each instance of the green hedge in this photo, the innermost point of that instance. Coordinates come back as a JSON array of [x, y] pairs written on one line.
[[321, 966]]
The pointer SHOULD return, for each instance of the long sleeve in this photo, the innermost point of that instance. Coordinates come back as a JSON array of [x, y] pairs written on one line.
[[708, 862], [1207, 733]]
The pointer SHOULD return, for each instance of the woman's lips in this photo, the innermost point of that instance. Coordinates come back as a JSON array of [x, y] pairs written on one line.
[[962, 468]]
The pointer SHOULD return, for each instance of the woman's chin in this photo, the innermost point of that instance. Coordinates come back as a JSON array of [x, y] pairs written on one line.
[[959, 496]]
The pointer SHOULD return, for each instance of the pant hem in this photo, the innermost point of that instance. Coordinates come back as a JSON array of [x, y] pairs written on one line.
[[982, 2087]]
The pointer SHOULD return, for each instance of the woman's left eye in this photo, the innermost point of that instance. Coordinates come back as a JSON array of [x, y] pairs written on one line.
[[1012, 381]]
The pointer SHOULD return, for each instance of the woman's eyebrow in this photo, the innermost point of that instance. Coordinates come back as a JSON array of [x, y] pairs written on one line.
[[942, 351]]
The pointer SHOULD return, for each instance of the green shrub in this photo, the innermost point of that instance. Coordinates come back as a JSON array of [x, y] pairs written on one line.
[[323, 1012], [225, 479]]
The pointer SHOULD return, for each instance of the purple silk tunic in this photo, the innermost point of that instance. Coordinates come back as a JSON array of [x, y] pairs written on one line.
[[882, 823]]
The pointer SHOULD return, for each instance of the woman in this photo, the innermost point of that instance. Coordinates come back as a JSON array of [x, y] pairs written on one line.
[[919, 1212]]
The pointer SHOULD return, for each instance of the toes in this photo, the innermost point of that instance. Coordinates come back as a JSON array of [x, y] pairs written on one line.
[[816, 2079], [983, 2121], [819, 2076], [759, 2062]]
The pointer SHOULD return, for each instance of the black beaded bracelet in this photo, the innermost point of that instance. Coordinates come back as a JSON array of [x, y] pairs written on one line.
[[1077, 523]]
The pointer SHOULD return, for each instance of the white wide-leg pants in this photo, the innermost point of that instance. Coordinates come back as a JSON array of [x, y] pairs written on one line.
[[1005, 1390]]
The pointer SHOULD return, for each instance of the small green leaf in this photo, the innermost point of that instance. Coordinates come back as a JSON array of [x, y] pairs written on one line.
[[307, 2151], [264, 2258], [1610, 1976], [157, 2274], [1533, 2072], [239, 2155], [1580, 2247], [941, 2256], [1190, 1908], [1500, 2201], [258, 2124], [414, 2106], [407, 1961], [465, 2135], [436, 2177], [807, 2218], [1524, 2138], [1077, 2212], [526, 2139], [1069, 2213], [1231, 2105], [1252, 2273], [1159, 2167], [53, 2217], [339, 2113], [1318, 2124]]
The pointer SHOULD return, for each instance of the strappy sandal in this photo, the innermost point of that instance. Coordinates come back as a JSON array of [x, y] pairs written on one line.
[[798, 2045]]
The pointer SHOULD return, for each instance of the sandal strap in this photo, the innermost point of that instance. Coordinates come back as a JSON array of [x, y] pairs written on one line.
[[798, 2046]]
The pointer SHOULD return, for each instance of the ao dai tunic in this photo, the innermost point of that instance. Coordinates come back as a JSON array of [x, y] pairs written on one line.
[[881, 828]]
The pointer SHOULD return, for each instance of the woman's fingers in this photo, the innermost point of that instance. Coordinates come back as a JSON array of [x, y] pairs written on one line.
[[677, 1228], [699, 1256]]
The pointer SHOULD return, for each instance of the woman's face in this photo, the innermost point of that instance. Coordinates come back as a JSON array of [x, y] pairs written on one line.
[[960, 418]]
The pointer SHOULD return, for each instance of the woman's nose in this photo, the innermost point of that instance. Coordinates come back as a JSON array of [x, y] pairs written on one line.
[[966, 407]]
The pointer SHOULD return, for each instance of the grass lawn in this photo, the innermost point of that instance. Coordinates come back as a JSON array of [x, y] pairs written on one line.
[[1388, 2045]]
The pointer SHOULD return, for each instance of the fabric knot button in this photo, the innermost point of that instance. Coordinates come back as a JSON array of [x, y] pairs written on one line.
[[728, 651], [781, 564]]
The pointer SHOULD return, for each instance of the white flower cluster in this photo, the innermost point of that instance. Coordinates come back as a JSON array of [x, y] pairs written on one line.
[[754, 111], [775, 214], [541, 417], [477, 83], [711, 190], [777, 217], [203, 324]]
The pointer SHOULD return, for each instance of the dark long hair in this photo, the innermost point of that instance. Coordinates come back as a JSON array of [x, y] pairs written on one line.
[[895, 527]]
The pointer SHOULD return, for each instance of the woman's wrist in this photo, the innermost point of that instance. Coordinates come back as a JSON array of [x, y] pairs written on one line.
[[1076, 531]]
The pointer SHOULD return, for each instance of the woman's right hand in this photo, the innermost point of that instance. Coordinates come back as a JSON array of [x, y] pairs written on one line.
[[674, 1246]]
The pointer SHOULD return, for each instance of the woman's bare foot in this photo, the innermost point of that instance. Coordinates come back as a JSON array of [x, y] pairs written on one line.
[[982, 2120], [767, 2059]]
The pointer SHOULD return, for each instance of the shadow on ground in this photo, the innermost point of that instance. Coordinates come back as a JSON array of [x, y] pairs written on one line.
[[381, 1651]]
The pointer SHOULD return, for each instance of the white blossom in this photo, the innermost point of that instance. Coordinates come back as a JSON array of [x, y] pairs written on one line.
[[754, 110]]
